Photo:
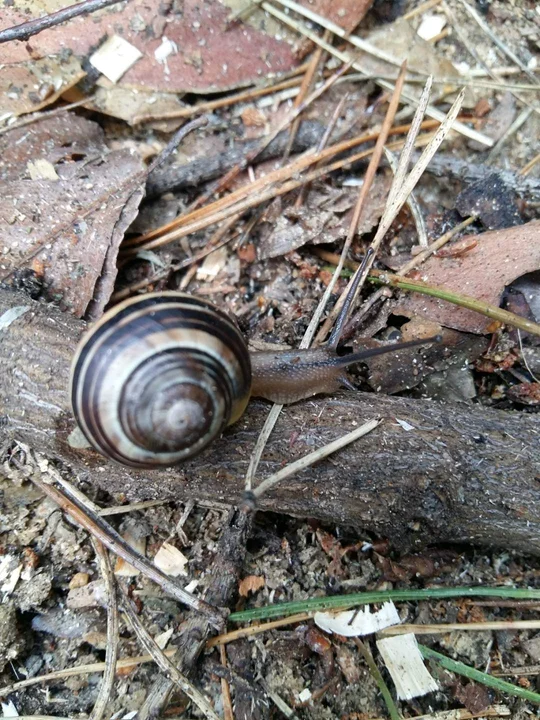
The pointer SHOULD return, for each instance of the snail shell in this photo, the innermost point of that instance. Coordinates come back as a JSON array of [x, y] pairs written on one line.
[[158, 378]]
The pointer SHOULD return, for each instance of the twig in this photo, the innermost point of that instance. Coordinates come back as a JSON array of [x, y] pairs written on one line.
[[33, 27], [521, 119], [132, 507], [209, 106], [314, 457], [401, 188], [360, 203], [279, 175], [163, 662], [45, 115], [424, 7], [174, 142], [322, 144], [479, 306], [88, 669], [251, 630], [111, 652], [307, 82], [225, 689], [442, 628], [258, 450], [376, 675], [479, 676], [102, 531]]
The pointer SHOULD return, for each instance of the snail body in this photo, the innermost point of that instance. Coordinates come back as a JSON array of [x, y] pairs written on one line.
[[160, 376]]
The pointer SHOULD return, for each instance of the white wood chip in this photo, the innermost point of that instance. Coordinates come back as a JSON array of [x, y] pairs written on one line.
[[405, 425], [41, 169], [406, 666], [171, 560], [353, 623], [115, 57], [9, 709], [163, 638], [11, 315], [431, 26]]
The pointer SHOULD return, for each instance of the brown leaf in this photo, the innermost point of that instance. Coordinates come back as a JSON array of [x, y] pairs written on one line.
[[32, 84], [70, 229], [499, 258], [474, 697], [251, 583], [345, 13], [211, 55], [525, 393]]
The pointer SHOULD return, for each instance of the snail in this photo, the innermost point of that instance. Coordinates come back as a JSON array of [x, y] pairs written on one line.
[[161, 375]]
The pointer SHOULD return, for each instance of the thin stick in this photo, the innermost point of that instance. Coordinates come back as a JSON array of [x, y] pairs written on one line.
[[211, 105], [399, 193], [360, 203], [33, 27], [102, 531], [163, 662], [307, 82], [225, 181], [45, 115], [421, 9], [466, 301], [175, 141], [132, 507], [322, 144], [397, 181], [111, 652], [314, 457], [226, 638], [279, 175], [441, 628], [88, 669], [225, 689], [412, 203], [521, 119]]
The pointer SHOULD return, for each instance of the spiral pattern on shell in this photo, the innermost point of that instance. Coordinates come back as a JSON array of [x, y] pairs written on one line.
[[158, 378]]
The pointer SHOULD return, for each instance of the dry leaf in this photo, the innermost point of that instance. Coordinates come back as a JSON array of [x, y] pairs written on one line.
[[499, 258], [251, 583], [212, 57], [68, 229]]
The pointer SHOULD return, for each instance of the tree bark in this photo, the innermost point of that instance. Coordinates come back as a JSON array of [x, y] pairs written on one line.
[[461, 474]]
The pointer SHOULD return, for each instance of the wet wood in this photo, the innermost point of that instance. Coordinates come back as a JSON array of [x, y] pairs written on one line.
[[461, 474]]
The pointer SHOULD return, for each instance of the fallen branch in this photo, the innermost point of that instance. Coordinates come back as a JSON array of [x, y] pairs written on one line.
[[462, 474]]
